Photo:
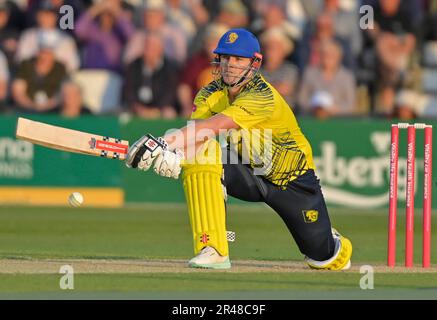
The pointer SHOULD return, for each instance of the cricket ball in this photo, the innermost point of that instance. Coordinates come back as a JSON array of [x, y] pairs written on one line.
[[75, 199]]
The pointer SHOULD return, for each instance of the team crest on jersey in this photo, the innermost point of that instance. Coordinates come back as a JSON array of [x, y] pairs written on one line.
[[310, 216], [232, 37]]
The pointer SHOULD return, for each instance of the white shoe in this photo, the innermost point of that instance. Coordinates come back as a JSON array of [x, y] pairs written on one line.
[[209, 258], [347, 266]]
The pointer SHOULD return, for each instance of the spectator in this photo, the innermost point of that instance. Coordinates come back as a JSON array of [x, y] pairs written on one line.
[[16, 14], [273, 14], [394, 39], [322, 105], [181, 19], [346, 24], [415, 11], [432, 7], [188, 17], [198, 70], [197, 11], [72, 101], [429, 27], [151, 81], [8, 35], [311, 9], [314, 36], [105, 30], [298, 13], [330, 76], [76, 5], [405, 106], [4, 80], [65, 50], [130, 12], [232, 14], [175, 44], [282, 74], [38, 84]]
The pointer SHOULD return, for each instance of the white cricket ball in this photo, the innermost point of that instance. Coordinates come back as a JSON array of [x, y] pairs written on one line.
[[75, 199]]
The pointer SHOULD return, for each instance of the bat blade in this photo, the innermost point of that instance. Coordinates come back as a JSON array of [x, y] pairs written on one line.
[[65, 139]]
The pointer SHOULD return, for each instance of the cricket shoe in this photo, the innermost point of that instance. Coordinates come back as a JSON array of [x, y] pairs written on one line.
[[209, 258], [342, 255]]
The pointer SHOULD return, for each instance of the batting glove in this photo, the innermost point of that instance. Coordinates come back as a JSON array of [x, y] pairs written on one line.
[[144, 151], [168, 163]]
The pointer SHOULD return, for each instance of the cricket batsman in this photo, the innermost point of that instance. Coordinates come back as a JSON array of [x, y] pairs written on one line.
[[267, 159]]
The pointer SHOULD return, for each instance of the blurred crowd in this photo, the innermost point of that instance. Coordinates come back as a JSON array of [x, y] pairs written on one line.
[[328, 58]]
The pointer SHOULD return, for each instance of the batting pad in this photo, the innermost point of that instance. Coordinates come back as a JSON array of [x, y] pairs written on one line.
[[205, 200]]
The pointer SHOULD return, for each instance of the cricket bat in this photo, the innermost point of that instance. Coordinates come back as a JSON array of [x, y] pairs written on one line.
[[60, 138]]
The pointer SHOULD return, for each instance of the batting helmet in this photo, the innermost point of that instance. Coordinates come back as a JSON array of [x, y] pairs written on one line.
[[238, 42]]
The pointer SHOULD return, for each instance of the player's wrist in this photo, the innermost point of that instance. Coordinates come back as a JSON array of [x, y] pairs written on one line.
[[180, 153]]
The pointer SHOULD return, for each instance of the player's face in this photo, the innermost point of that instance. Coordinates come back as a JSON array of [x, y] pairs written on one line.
[[232, 68], [46, 19]]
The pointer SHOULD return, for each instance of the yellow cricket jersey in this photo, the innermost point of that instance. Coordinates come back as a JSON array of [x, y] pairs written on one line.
[[269, 135]]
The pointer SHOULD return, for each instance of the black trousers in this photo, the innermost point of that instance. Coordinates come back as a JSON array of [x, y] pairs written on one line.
[[301, 206]]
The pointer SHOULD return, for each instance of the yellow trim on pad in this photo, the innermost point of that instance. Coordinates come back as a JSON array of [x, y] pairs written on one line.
[[51, 196]]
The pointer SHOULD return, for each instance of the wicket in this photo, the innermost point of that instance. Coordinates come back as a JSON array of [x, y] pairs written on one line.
[[427, 184]]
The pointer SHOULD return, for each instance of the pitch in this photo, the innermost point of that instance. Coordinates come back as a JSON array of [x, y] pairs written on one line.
[[141, 252]]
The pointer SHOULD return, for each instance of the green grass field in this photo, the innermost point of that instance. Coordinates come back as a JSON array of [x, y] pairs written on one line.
[[140, 253]]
